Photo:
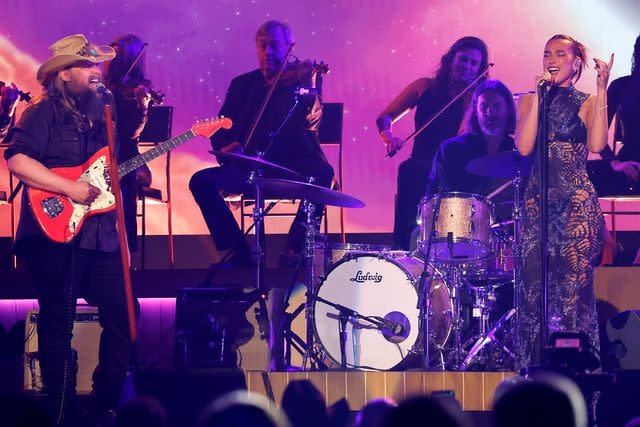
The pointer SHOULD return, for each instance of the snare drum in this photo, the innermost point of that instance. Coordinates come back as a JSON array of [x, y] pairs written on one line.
[[383, 286], [462, 227]]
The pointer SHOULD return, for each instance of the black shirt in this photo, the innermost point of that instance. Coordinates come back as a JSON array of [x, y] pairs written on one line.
[[623, 97], [296, 147], [47, 133], [444, 127]]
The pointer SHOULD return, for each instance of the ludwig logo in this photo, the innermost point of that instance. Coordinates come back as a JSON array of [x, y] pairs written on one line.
[[366, 277]]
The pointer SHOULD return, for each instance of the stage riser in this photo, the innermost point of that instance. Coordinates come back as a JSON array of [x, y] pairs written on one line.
[[474, 390], [618, 287]]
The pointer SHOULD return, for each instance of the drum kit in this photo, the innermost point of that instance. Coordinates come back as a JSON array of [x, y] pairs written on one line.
[[366, 307]]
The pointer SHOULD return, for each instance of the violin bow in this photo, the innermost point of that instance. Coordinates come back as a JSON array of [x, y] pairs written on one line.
[[268, 97], [135, 61], [439, 113]]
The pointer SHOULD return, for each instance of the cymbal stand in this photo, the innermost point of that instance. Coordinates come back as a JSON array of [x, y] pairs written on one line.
[[309, 253], [487, 338], [456, 317]]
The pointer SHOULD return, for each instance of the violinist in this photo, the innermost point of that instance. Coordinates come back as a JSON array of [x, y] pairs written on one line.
[[9, 98], [466, 59], [125, 77], [295, 146]]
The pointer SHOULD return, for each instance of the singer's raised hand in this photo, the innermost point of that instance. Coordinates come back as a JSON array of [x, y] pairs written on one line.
[[604, 71]]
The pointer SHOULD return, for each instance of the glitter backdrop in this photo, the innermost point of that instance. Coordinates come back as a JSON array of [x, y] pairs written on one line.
[[375, 48]]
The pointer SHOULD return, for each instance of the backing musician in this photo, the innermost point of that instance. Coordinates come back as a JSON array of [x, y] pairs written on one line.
[[465, 60], [131, 96], [489, 126], [296, 147]]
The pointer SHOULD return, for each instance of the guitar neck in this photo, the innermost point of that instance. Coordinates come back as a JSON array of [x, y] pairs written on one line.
[[161, 149]]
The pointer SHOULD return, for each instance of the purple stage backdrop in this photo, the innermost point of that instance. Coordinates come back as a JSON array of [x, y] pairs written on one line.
[[375, 48]]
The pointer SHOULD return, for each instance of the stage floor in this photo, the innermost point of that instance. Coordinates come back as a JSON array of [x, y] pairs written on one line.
[[474, 390]]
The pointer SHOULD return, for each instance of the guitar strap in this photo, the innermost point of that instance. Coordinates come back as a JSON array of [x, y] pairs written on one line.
[[15, 191]]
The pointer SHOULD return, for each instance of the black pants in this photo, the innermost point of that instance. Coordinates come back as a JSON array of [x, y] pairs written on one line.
[[96, 277], [209, 186], [412, 183]]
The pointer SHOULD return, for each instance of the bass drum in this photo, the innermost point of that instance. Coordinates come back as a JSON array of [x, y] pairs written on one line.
[[384, 286]]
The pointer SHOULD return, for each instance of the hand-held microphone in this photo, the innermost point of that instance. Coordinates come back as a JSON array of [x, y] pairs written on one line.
[[102, 89], [543, 84]]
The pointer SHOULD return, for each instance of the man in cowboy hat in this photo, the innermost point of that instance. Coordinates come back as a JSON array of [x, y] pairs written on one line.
[[64, 127]]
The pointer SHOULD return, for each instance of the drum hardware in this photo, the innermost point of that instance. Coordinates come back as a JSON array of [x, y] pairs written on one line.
[[308, 193], [386, 326], [424, 297], [309, 253], [386, 289], [487, 338], [467, 216]]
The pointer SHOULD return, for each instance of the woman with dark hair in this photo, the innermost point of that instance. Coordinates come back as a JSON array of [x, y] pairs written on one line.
[[131, 94], [577, 123], [465, 60]]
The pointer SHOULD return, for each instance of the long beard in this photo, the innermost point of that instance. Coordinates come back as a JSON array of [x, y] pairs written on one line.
[[91, 105]]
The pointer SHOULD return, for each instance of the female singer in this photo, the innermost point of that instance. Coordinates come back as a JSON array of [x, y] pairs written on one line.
[[577, 123]]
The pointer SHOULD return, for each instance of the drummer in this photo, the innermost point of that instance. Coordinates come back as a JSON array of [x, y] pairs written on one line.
[[295, 142], [490, 124]]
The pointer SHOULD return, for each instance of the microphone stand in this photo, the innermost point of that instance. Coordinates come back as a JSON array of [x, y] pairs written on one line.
[[439, 113], [543, 158], [345, 314], [424, 297]]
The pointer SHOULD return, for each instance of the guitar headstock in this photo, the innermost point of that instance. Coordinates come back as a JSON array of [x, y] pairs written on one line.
[[208, 127]]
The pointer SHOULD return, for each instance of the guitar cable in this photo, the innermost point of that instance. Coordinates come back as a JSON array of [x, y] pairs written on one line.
[[71, 309]]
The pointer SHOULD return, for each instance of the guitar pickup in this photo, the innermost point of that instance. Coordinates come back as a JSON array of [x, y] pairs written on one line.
[[52, 206]]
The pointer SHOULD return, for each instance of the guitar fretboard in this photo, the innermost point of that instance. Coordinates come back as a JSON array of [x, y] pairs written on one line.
[[154, 153]]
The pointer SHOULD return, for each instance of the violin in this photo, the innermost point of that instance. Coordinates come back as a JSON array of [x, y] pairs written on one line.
[[303, 72], [24, 96], [157, 96]]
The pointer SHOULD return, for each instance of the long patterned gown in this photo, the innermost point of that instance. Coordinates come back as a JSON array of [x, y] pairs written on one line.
[[575, 226]]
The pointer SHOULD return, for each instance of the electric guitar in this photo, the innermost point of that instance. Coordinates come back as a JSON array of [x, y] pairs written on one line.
[[61, 218]]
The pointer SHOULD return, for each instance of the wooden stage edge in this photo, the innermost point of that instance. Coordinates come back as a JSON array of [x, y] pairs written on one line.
[[474, 390]]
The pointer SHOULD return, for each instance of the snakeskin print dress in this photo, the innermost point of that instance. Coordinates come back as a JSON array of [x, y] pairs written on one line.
[[575, 226]]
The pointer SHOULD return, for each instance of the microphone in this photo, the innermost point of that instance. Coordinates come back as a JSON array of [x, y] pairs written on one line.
[[393, 327], [102, 89], [304, 91], [542, 84]]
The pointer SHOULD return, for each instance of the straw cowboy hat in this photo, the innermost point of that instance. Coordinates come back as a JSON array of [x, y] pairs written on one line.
[[69, 50]]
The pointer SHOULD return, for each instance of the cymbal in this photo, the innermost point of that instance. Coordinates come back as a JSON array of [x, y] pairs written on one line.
[[251, 162], [305, 191], [502, 164]]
